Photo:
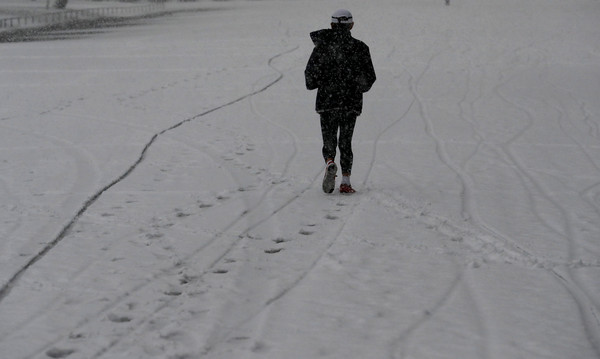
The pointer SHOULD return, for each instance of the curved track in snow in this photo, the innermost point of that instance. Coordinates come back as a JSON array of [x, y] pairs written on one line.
[[195, 226]]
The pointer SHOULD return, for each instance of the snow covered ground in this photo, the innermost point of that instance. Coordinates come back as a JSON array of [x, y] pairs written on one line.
[[160, 187]]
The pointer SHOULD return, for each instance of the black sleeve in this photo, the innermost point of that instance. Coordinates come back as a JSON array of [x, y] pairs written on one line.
[[367, 75], [312, 71]]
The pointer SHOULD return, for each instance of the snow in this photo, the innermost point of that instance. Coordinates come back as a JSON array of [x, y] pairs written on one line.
[[160, 187], [28, 8]]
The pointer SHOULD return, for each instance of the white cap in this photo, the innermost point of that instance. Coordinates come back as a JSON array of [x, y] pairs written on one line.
[[342, 17]]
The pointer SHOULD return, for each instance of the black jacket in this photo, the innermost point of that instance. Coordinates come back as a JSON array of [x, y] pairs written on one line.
[[340, 67]]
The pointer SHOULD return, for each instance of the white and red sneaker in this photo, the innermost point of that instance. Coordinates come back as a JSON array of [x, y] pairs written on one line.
[[329, 179], [346, 188]]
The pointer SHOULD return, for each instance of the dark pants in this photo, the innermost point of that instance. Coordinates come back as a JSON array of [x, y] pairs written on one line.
[[331, 122]]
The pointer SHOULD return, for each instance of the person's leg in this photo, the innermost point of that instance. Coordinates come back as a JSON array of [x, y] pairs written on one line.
[[329, 130], [345, 142], [346, 156]]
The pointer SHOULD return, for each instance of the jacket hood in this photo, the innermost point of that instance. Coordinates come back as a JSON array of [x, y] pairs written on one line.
[[326, 35]]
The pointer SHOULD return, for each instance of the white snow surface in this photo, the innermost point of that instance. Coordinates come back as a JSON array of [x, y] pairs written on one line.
[[160, 187]]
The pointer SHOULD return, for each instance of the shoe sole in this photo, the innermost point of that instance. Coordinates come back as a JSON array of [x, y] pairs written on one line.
[[329, 179]]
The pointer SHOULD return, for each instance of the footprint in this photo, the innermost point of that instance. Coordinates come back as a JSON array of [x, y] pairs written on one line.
[[273, 250], [186, 279], [75, 336], [220, 271], [235, 339], [259, 347], [115, 318], [173, 292], [331, 217], [171, 335], [59, 353], [305, 232], [154, 235]]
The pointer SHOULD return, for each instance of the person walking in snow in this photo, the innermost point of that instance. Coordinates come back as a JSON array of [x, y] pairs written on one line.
[[341, 69]]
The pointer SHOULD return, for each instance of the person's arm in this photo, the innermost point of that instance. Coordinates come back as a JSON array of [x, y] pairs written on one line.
[[312, 71], [367, 77]]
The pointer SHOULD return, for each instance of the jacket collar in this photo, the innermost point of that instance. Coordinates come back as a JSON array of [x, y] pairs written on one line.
[[327, 35]]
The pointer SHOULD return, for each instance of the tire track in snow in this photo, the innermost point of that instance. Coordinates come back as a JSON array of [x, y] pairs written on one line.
[[588, 310], [84, 165], [509, 248], [355, 204], [504, 245], [378, 139], [217, 339], [586, 194], [220, 235], [587, 306], [6, 288], [210, 268], [403, 337], [223, 337], [440, 149], [288, 132], [398, 347]]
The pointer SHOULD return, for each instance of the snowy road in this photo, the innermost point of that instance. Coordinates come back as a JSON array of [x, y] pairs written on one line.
[[160, 187]]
